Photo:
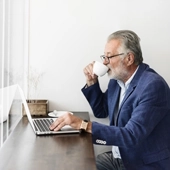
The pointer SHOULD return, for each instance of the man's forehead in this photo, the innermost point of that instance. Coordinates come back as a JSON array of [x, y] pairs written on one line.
[[112, 46]]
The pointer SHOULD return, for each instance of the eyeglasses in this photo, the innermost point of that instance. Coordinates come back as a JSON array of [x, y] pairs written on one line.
[[106, 59]]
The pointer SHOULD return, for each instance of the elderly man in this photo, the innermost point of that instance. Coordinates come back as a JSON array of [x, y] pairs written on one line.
[[137, 102]]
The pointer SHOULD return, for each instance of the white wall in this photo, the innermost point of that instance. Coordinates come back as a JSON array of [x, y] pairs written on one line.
[[66, 35]]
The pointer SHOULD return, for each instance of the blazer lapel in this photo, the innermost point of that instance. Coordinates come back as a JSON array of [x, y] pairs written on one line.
[[114, 95], [114, 99], [128, 93], [133, 84]]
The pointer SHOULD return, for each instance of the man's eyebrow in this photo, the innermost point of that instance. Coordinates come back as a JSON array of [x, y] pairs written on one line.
[[107, 53]]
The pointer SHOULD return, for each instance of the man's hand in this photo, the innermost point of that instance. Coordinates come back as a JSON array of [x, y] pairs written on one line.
[[66, 119], [91, 78]]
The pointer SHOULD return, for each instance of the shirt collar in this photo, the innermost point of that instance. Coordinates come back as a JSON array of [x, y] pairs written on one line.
[[126, 85]]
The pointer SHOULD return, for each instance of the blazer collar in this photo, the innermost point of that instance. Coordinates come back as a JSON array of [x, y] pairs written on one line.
[[135, 80]]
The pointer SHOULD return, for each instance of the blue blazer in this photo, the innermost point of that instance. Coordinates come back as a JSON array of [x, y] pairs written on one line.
[[142, 127]]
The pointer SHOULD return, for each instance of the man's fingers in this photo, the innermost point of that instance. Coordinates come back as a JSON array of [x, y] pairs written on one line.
[[56, 125], [59, 126]]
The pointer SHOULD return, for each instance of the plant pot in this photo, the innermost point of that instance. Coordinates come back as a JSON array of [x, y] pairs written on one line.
[[37, 107]]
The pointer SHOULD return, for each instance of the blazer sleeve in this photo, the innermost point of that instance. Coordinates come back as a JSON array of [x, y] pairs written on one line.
[[97, 100]]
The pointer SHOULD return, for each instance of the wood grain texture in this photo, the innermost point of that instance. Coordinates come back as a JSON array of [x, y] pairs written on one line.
[[25, 150]]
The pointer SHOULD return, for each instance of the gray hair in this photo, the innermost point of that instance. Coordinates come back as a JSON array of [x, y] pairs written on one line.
[[130, 42]]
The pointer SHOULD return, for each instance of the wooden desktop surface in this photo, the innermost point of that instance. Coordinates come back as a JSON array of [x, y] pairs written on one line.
[[25, 151]]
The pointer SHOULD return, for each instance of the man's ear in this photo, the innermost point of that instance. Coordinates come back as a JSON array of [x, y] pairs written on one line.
[[130, 58]]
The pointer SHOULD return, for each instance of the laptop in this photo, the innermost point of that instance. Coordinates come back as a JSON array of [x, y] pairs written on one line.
[[40, 126]]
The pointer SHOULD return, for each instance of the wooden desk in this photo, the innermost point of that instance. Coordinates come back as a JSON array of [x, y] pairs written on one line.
[[25, 151]]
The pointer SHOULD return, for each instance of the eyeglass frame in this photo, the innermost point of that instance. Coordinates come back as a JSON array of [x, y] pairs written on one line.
[[103, 57]]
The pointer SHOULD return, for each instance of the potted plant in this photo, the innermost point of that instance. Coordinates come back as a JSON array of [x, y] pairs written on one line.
[[36, 106]]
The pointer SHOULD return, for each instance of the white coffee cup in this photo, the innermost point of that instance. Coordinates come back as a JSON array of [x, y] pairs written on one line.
[[99, 68]]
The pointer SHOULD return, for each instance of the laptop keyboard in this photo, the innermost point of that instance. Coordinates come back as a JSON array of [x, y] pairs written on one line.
[[43, 124]]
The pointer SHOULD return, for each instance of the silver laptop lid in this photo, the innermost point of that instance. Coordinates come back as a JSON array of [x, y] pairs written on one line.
[[26, 107], [64, 130]]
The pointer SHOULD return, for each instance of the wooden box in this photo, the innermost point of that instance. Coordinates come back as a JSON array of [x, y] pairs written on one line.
[[37, 107]]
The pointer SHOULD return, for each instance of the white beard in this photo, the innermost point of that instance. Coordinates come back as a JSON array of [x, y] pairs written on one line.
[[118, 73]]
